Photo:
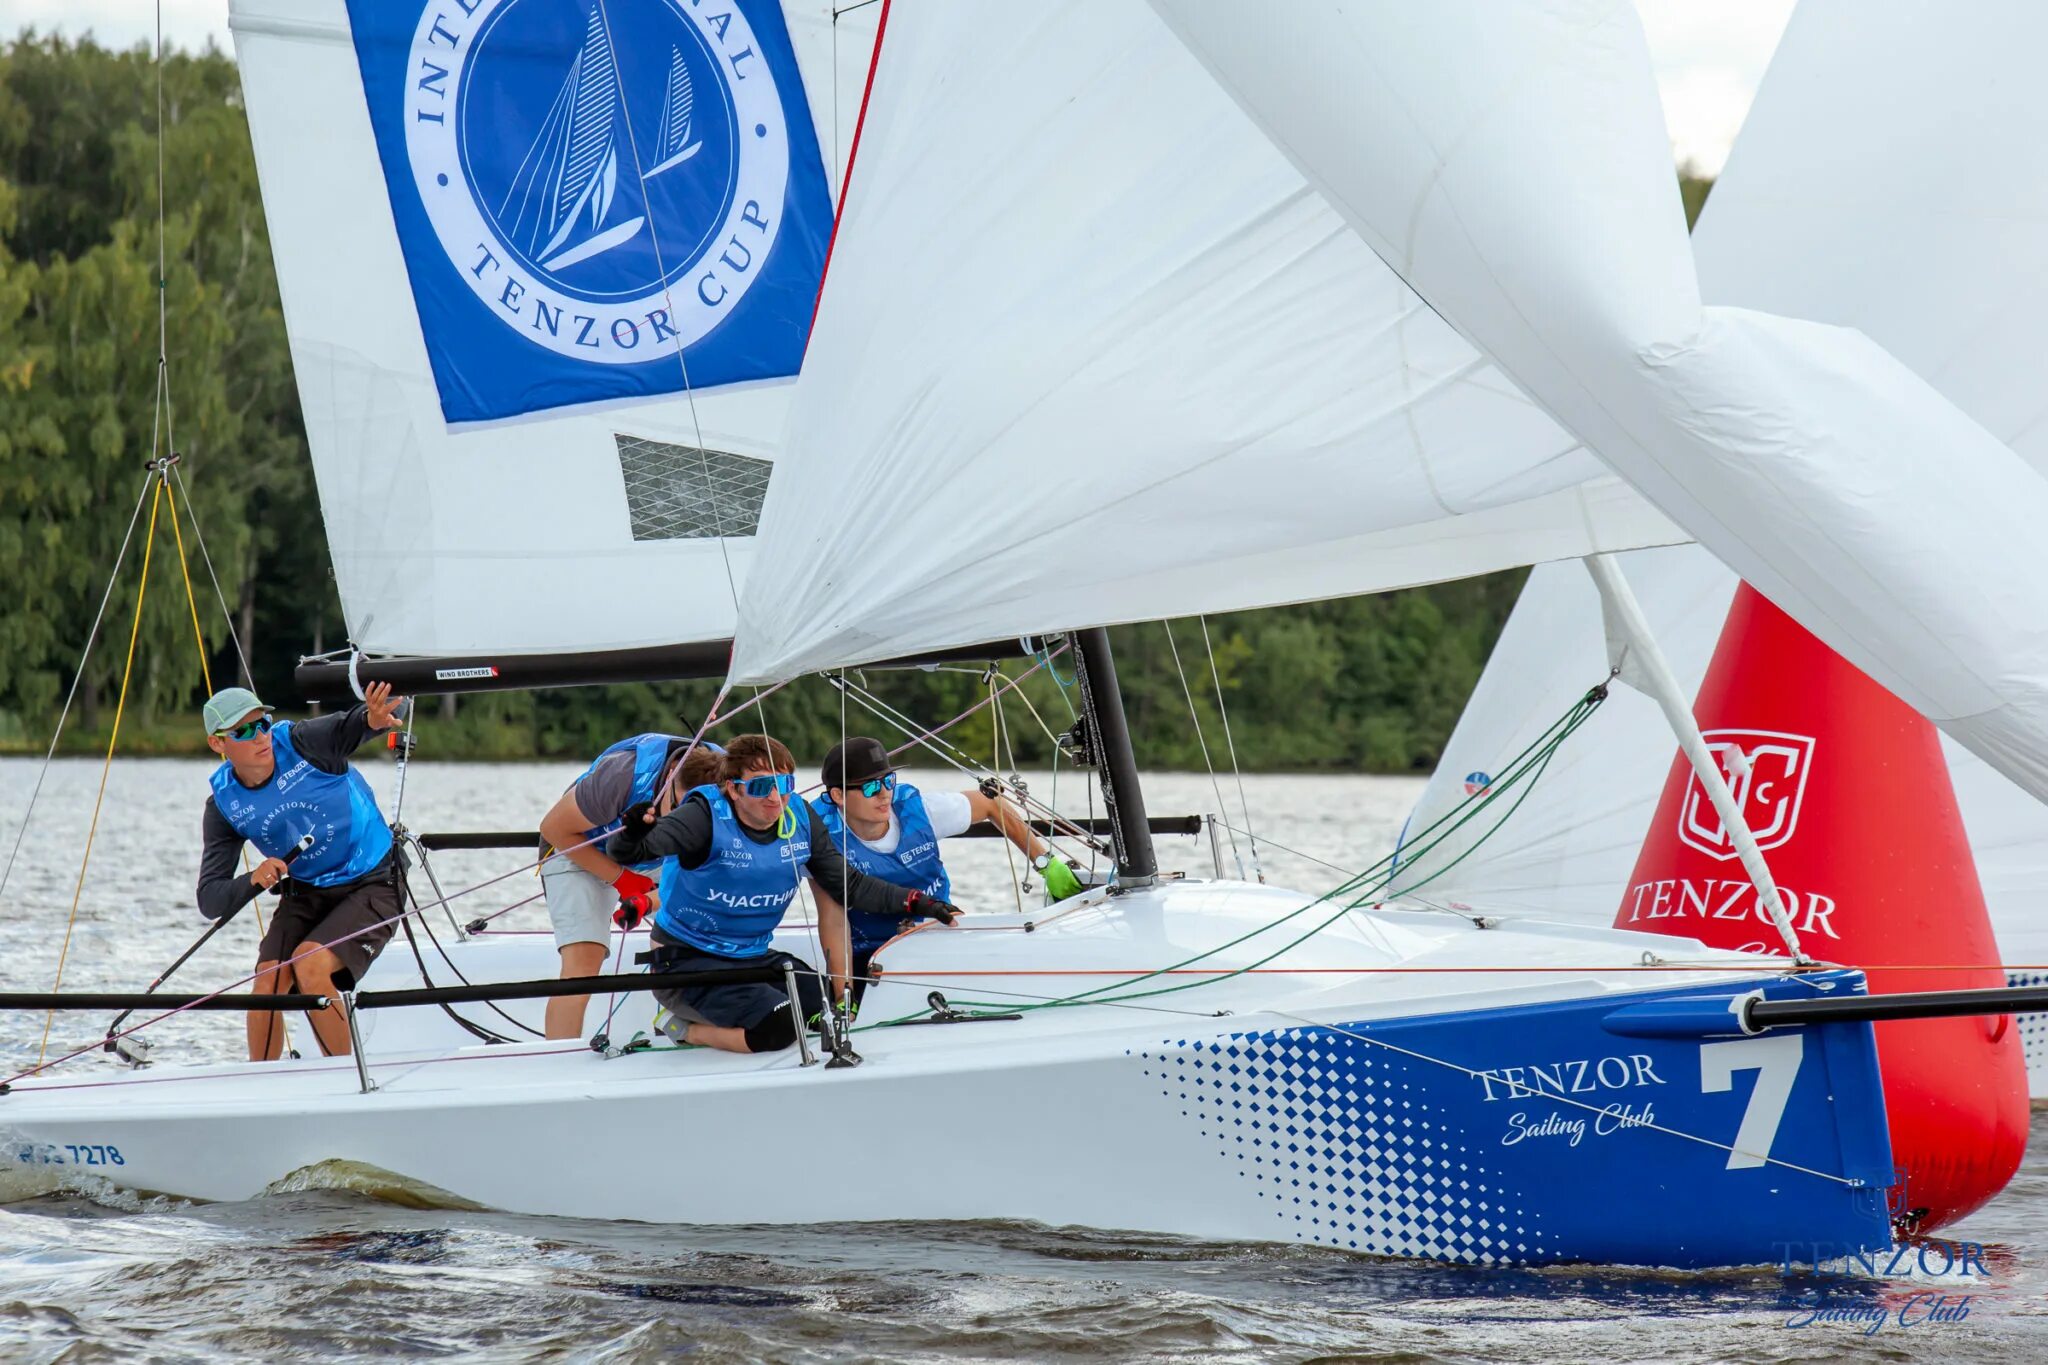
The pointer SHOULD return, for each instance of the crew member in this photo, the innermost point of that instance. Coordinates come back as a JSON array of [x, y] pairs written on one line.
[[582, 883], [737, 852], [276, 785], [895, 831]]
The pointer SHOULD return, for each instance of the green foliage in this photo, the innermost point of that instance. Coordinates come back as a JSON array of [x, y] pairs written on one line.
[[1366, 684]]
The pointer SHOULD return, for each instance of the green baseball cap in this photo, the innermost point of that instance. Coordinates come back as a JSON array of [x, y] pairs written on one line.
[[229, 705]]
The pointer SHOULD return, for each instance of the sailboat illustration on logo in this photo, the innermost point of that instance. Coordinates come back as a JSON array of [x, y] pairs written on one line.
[[560, 207]]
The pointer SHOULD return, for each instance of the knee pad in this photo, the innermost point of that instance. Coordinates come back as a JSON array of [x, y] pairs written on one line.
[[774, 1033]]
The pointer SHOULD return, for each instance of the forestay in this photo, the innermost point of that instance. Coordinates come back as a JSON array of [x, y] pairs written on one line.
[[1510, 161], [1090, 350], [1861, 192], [579, 527]]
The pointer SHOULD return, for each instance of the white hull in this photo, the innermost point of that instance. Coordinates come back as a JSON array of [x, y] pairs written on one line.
[[1108, 1116]]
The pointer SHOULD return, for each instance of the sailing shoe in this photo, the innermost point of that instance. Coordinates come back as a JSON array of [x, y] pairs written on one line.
[[669, 1024]]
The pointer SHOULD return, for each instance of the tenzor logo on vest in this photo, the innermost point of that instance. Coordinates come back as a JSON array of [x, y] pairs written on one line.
[[596, 198], [1766, 772]]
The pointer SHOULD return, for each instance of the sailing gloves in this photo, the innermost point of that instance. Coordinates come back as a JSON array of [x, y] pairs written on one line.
[[633, 889], [1060, 881], [917, 905]]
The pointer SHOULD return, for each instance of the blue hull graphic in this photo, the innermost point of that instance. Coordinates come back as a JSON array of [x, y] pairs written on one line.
[[1534, 1134]]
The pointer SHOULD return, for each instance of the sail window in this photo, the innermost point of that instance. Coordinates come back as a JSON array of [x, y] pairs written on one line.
[[678, 492]]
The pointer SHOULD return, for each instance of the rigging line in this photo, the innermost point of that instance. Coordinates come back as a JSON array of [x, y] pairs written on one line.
[[668, 297], [858, 4], [76, 678], [995, 745], [482, 920], [881, 710], [199, 537], [1231, 744], [1295, 852], [1568, 1101], [120, 708], [1201, 739], [417, 909], [1062, 827], [199, 638], [1523, 765]]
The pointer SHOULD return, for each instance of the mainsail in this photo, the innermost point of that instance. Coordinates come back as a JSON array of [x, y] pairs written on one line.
[[523, 537], [1124, 363]]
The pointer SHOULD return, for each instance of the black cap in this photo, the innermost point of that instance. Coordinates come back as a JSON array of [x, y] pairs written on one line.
[[855, 760]]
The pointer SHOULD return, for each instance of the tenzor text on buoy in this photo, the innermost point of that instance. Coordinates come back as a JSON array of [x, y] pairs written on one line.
[[1848, 794]]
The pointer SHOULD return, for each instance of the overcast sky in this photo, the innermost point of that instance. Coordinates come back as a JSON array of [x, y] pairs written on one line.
[[1710, 53]]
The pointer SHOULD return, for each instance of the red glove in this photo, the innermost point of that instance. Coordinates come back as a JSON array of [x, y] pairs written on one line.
[[630, 883], [632, 909], [633, 889]]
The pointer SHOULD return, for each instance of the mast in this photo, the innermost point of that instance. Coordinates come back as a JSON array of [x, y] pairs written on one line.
[[1102, 706]]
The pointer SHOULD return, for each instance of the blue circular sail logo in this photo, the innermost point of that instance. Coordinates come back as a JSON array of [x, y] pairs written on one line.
[[606, 176]]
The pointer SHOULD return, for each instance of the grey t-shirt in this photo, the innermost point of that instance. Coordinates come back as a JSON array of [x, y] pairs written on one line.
[[606, 790], [603, 793]]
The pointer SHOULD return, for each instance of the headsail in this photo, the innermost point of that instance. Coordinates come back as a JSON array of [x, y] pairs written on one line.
[[1117, 360], [1850, 144], [1510, 160], [531, 536]]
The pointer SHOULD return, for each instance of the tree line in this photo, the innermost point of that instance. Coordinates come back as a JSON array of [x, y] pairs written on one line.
[[1365, 684]]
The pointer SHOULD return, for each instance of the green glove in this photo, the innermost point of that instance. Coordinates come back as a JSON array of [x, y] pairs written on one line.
[[1060, 881]]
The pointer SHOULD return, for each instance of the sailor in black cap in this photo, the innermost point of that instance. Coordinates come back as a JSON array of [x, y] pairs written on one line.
[[891, 830]]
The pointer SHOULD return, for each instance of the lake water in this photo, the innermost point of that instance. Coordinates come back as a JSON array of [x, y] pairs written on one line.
[[345, 1267]]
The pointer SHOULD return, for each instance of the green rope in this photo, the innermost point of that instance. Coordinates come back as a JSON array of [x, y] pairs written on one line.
[[1529, 764]]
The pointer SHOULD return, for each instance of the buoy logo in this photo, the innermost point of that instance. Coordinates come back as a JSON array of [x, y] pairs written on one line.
[[1766, 772], [606, 176]]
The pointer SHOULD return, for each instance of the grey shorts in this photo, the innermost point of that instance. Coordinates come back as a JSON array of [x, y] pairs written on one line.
[[579, 905]]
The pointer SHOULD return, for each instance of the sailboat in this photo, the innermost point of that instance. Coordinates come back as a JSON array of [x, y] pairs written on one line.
[[1148, 353]]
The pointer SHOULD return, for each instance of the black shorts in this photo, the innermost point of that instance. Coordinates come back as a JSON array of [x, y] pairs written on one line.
[[322, 914], [736, 1006]]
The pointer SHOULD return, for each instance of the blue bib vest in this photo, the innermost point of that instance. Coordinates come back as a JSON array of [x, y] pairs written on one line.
[[915, 862], [649, 752], [349, 834], [732, 903]]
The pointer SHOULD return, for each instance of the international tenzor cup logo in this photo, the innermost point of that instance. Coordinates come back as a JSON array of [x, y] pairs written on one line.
[[1766, 772], [606, 176]]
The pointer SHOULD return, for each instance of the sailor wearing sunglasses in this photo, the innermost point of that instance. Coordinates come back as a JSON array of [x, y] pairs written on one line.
[[891, 830], [582, 884], [737, 853], [276, 785]]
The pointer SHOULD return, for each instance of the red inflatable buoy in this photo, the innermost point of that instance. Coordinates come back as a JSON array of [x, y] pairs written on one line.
[[1848, 795]]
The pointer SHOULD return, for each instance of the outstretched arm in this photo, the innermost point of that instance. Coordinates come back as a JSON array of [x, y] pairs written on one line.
[[852, 887]]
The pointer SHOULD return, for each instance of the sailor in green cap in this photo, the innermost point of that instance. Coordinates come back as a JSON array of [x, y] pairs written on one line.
[[289, 789]]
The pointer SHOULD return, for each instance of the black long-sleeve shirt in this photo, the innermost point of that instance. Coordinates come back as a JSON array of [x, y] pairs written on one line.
[[326, 742], [685, 835]]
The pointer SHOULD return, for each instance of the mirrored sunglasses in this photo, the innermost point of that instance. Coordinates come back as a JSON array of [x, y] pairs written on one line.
[[768, 784], [875, 786], [249, 731]]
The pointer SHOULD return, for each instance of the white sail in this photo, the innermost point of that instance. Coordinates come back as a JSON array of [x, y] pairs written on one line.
[[1862, 192], [529, 535], [1568, 851], [1091, 351], [1509, 160]]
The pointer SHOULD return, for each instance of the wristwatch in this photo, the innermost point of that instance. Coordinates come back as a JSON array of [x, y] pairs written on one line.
[[1042, 861]]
